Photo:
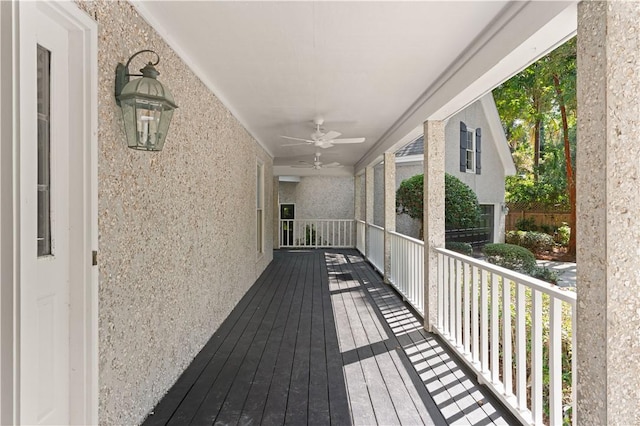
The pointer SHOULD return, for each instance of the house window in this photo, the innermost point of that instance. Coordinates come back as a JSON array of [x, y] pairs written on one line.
[[44, 152], [470, 149], [260, 208]]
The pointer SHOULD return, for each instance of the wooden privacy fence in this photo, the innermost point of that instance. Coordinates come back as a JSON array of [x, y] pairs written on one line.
[[554, 219]]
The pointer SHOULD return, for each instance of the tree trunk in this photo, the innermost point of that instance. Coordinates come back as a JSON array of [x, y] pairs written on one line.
[[571, 180]]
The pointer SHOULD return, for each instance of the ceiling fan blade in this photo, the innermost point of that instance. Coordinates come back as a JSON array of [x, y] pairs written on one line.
[[330, 135], [347, 140], [334, 164], [297, 139], [295, 144], [303, 166]]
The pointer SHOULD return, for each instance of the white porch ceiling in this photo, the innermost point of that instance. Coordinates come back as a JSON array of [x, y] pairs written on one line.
[[371, 69]]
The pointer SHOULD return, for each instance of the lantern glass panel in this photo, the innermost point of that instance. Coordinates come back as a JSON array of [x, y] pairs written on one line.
[[146, 114]]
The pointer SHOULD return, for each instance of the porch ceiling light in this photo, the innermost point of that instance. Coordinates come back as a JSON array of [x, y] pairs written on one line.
[[147, 106]]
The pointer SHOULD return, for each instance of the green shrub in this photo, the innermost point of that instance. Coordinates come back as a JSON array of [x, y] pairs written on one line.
[[514, 237], [562, 235], [463, 248], [510, 256], [461, 209], [544, 274], [536, 242], [526, 224]]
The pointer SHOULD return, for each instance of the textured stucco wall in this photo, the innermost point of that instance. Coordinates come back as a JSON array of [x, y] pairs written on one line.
[[177, 234], [608, 224], [320, 197]]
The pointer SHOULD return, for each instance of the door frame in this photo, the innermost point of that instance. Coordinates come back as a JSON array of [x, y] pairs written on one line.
[[83, 316]]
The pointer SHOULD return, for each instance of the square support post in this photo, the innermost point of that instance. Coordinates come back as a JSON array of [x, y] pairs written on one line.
[[608, 222], [276, 212], [368, 203], [389, 209], [357, 197], [433, 228]]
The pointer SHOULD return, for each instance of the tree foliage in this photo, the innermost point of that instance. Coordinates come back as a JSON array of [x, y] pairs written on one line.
[[542, 100], [461, 207]]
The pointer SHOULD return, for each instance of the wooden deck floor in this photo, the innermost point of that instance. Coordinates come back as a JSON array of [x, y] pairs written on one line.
[[319, 339]]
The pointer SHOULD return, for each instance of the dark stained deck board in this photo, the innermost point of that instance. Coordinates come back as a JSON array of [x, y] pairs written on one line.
[[339, 403], [231, 409], [410, 410], [366, 334], [456, 392], [277, 397], [320, 339], [243, 310], [202, 407], [253, 408]]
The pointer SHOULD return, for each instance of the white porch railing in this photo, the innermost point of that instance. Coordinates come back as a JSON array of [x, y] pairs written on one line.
[[361, 236], [508, 351], [407, 269], [376, 246], [337, 233]]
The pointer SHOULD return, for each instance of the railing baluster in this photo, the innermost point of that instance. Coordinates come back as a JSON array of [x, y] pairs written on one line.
[[474, 315], [502, 337], [458, 316], [466, 338], [536, 356], [495, 335], [555, 362], [521, 348], [507, 360], [447, 295], [484, 321], [441, 281]]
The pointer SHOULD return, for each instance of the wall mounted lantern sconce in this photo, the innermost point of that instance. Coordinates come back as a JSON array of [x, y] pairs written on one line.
[[147, 106]]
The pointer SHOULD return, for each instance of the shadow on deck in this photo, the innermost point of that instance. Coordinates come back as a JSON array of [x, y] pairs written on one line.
[[319, 339]]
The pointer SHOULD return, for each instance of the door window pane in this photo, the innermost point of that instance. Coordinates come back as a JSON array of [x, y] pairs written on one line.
[[44, 152]]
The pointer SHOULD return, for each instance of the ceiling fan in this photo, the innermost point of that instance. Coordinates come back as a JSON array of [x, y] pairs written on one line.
[[320, 139], [317, 164]]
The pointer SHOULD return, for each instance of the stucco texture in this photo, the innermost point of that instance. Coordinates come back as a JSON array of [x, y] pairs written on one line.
[[320, 197], [608, 201], [177, 228]]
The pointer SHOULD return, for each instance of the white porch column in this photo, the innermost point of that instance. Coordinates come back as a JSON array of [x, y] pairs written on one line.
[[276, 212], [368, 203], [389, 209], [608, 213], [433, 215]]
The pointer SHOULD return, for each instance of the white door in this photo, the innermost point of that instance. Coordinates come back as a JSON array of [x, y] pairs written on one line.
[[45, 140]]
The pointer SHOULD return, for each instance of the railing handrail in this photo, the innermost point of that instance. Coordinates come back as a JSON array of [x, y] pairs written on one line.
[[543, 286], [408, 238], [317, 220], [360, 221], [376, 226]]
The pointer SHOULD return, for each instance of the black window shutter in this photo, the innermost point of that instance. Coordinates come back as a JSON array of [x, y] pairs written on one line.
[[478, 151], [463, 147]]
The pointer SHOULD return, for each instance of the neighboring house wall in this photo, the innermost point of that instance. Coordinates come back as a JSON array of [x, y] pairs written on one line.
[[177, 228], [488, 186], [320, 197]]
